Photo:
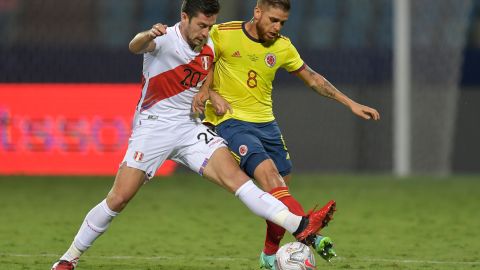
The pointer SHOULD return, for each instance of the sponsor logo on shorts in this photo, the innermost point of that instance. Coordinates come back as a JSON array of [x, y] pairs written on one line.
[[243, 150], [138, 156], [270, 59]]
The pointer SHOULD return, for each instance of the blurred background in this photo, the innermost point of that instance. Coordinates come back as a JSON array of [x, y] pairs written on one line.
[[68, 84]]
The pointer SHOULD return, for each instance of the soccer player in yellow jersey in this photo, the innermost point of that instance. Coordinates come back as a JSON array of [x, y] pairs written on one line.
[[247, 56]]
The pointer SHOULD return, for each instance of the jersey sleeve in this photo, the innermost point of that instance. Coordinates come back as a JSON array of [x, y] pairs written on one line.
[[159, 41], [214, 35], [293, 60]]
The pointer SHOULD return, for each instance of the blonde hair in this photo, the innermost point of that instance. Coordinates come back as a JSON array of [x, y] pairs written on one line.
[[283, 4]]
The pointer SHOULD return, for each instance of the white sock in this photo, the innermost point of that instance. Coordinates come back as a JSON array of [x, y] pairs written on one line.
[[95, 224], [72, 253], [265, 205]]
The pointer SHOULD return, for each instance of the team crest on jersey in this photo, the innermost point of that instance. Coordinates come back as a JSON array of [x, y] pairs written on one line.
[[243, 150], [205, 62], [270, 59], [138, 156]]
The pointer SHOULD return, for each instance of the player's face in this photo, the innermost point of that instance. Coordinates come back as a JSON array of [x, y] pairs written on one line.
[[197, 28], [270, 21]]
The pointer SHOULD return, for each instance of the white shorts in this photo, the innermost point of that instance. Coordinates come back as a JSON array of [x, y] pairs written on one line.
[[154, 140]]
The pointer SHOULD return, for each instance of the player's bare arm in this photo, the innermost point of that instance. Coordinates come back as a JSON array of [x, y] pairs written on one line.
[[323, 87], [198, 102], [143, 41], [220, 105]]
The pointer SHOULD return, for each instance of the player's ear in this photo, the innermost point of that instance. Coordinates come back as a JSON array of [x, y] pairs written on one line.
[[184, 17], [257, 13]]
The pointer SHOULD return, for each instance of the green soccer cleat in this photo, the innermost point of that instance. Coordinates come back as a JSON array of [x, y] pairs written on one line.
[[323, 245], [267, 261]]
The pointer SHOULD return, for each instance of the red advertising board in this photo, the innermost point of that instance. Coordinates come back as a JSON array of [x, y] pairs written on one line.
[[66, 129]]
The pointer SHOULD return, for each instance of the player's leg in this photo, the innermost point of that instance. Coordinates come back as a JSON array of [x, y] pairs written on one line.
[[223, 170], [204, 152], [207, 154], [246, 141], [276, 148], [147, 150], [127, 182], [263, 173]]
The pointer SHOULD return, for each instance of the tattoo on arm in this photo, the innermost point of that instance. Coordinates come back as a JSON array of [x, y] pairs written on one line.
[[328, 89], [324, 87]]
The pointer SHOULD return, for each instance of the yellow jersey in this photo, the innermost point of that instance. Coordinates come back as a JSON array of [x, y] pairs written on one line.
[[244, 72]]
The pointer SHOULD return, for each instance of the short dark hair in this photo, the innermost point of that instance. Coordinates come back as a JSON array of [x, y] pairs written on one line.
[[283, 4], [207, 7]]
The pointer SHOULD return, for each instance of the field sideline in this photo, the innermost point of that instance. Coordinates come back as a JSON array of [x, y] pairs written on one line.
[[183, 222]]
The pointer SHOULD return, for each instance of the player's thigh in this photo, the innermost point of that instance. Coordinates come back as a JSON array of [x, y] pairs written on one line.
[[244, 144], [205, 153], [224, 170], [149, 146], [276, 148], [198, 142]]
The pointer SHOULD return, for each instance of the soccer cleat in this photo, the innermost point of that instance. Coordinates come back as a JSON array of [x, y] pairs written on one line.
[[267, 261], [324, 247], [316, 220], [65, 265]]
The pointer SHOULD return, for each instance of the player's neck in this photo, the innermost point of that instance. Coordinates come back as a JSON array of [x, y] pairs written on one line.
[[184, 36], [251, 28]]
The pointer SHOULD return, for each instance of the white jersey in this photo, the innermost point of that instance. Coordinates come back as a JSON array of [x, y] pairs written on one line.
[[163, 126], [172, 75]]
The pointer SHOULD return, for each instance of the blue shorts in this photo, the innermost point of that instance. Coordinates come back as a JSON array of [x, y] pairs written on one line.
[[252, 143]]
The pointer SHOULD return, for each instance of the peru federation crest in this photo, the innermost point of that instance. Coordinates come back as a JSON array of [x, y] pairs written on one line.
[[138, 156], [205, 62], [270, 59]]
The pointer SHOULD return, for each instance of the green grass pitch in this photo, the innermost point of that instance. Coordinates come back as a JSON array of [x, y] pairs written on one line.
[[184, 222]]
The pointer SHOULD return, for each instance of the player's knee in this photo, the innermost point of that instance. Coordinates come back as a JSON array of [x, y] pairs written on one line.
[[234, 179], [269, 178], [274, 178], [117, 202]]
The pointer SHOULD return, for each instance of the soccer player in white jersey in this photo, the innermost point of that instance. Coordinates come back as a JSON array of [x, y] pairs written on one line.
[[176, 61]]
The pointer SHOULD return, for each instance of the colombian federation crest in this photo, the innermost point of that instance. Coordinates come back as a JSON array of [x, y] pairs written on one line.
[[270, 59], [205, 62], [243, 150]]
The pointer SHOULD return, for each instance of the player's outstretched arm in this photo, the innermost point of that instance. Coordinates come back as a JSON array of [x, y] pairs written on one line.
[[143, 41], [323, 87]]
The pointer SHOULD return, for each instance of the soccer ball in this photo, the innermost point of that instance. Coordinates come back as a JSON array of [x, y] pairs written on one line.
[[294, 256]]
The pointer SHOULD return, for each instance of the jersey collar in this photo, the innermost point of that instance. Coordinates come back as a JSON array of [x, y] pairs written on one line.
[[250, 36], [180, 37]]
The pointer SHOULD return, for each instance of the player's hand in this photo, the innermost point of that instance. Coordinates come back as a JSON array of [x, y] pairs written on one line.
[[365, 112], [198, 103], [157, 30], [220, 105]]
